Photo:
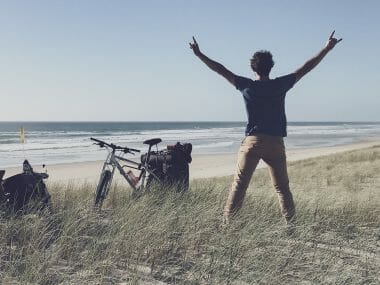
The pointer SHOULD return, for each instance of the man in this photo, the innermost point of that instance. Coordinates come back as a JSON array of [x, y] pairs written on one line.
[[264, 100]]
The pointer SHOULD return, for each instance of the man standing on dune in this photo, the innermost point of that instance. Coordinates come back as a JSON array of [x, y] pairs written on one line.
[[264, 100]]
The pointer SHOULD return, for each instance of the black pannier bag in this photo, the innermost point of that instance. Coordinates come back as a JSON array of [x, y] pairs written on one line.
[[24, 190], [171, 165]]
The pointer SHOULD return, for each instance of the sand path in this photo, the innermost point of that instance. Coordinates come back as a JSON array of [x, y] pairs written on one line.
[[203, 166]]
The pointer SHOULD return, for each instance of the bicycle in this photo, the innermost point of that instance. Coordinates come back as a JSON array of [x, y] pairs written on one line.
[[139, 184]]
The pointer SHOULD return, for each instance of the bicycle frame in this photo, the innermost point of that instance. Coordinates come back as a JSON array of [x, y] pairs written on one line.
[[112, 163]]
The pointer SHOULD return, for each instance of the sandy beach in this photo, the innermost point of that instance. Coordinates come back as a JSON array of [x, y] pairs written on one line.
[[203, 166]]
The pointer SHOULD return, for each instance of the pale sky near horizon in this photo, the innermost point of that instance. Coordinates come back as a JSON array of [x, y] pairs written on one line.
[[130, 60]]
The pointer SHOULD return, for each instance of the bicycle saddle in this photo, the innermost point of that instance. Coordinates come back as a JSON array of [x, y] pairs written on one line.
[[152, 141]]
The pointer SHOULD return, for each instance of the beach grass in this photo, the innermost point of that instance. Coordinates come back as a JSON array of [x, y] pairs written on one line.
[[170, 238]]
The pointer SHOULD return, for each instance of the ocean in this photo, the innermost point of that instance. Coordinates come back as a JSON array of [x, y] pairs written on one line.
[[66, 142]]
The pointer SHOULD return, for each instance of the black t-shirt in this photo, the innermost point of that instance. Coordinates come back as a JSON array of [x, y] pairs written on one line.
[[265, 104]]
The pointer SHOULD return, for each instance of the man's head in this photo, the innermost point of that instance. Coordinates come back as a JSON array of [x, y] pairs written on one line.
[[262, 62]]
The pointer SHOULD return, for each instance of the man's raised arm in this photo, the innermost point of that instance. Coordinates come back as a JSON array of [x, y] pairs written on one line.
[[213, 65], [313, 62]]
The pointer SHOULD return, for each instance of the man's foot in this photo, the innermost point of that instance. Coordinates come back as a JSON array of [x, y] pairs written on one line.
[[225, 222], [291, 226]]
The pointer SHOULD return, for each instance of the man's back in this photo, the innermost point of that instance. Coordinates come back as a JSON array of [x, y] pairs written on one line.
[[265, 104]]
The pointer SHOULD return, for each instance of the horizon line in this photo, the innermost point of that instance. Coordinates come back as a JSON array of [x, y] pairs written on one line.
[[174, 121]]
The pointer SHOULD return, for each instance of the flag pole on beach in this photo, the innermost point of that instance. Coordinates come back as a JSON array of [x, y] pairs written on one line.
[[22, 139]]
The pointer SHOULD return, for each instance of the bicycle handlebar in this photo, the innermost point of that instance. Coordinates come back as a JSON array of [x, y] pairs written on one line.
[[114, 147]]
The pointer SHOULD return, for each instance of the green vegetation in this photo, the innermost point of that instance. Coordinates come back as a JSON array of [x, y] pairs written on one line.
[[177, 239]]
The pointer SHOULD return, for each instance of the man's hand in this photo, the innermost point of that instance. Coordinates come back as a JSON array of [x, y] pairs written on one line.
[[331, 42], [313, 62], [194, 46], [213, 65]]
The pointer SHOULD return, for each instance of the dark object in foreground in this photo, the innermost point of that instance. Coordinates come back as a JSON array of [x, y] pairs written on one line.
[[24, 191], [171, 165]]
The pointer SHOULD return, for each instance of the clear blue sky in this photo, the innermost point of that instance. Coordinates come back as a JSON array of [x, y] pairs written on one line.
[[130, 60]]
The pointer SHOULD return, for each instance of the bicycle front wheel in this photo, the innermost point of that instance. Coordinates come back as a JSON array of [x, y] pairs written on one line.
[[102, 189]]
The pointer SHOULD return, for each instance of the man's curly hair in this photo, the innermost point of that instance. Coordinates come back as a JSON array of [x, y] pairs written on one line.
[[262, 62]]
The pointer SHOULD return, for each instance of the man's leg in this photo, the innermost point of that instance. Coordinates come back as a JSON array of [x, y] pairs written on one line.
[[276, 160], [248, 158]]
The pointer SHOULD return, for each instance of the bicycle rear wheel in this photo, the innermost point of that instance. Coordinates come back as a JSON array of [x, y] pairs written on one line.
[[154, 181], [102, 189]]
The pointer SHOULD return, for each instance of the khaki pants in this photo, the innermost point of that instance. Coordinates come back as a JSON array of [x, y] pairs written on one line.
[[271, 150]]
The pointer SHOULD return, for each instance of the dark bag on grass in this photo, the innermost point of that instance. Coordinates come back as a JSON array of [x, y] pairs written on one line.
[[25, 190], [171, 165]]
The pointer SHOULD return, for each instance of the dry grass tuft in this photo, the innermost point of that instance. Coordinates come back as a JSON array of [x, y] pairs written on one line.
[[176, 238]]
